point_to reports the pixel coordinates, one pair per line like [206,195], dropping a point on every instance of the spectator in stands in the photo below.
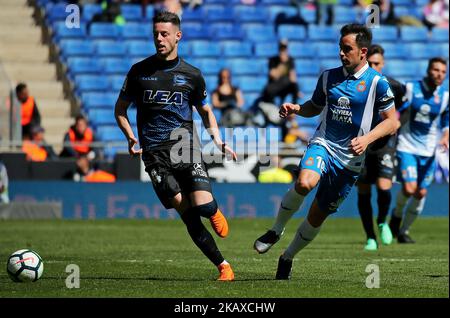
[87,174]
[78,140]
[30,112]
[228,99]
[37,149]
[4,196]
[291,131]
[110,14]
[360,8]
[435,14]
[283,18]
[192,4]
[282,76]
[387,15]
[275,174]
[325,12]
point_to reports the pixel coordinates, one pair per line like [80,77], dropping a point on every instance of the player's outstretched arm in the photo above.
[120,112]
[210,122]
[308,109]
[388,126]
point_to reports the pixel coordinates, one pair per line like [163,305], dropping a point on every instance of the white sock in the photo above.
[289,205]
[305,234]
[224,263]
[400,205]
[413,211]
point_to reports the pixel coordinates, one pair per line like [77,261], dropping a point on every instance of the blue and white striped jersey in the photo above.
[427,109]
[349,103]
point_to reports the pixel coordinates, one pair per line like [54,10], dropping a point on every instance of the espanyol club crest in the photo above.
[361,86]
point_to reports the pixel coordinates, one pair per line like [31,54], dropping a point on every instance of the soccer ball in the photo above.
[25,266]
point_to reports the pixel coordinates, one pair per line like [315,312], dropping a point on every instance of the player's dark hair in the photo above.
[166,16]
[375,49]
[436,60]
[80,117]
[20,87]
[363,34]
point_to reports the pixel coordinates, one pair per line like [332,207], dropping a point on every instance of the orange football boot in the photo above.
[226,273]
[219,224]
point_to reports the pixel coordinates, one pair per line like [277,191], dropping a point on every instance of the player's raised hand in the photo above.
[359,145]
[229,153]
[287,108]
[131,143]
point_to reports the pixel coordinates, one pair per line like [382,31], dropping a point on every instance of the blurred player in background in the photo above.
[379,166]
[427,103]
[347,98]
[164,89]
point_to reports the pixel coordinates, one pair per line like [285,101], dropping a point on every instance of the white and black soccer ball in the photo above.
[25,266]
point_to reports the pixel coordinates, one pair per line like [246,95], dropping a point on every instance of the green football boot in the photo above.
[371,245]
[385,233]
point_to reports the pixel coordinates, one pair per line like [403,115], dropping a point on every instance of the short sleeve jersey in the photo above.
[349,103]
[164,93]
[428,111]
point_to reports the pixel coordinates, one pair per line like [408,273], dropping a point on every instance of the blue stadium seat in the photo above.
[307,84]
[267,49]
[101,117]
[109,133]
[444,51]
[305,67]
[344,14]
[140,48]
[149,12]
[98,100]
[131,12]
[115,66]
[62,32]
[236,49]
[402,2]
[251,84]
[422,67]
[301,50]
[291,32]
[322,33]
[110,48]
[308,14]
[245,13]
[89,10]
[90,83]
[414,34]
[99,30]
[76,48]
[55,12]
[209,66]
[403,11]
[395,50]
[423,51]
[249,99]
[137,31]
[116,82]
[276,10]
[385,33]
[184,49]
[308,121]
[280,2]
[196,14]
[258,33]
[225,31]
[219,14]
[326,50]
[242,66]
[205,49]
[195,31]
[401,68]
[439,35]
[82,65]
[326,64]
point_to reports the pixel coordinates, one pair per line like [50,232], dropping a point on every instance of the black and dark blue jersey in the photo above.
[164,93]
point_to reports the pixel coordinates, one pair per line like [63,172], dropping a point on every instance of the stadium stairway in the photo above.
[25,58]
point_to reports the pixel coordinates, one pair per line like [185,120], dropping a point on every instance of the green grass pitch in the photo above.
[156,258]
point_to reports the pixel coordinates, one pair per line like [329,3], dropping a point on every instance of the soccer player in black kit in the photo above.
[379,166]
[165,89]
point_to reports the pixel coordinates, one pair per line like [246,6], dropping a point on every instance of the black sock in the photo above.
[201,237]
[207,210]
[365,211]
[384,202]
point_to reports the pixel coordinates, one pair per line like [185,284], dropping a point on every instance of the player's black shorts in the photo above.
[379,163]
[170,178]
